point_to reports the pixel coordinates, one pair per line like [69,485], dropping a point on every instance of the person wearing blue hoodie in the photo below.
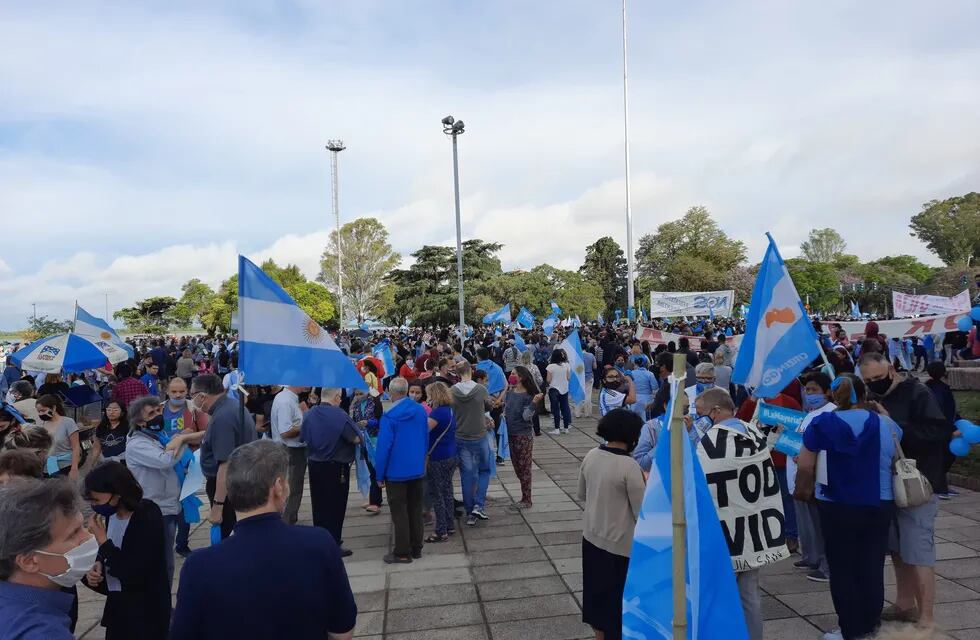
[399,464]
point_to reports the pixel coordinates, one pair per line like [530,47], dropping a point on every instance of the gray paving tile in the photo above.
[808,604]
[954,551]
[507,572]
[364,584]
[438,617]
[366,541]
[963,568]
[445,594]
[966,634]
[507,542]
[521,588]
[473,632]
[946,591]
[773,609]
[369,623]
[958,615]
[434,577]
[788,628]
[541,528]
[557,551]
[529,608]
[370,601]
[560,628]
[496,531]
[573,580]
[507,556]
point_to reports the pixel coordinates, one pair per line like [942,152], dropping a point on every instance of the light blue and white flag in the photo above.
[279,344]
[745,311]
[577,323]
[525,318]
[599,319]
[711,313]
[555,309]
[382,351]
[519,343]
[88,325]
[779,340]
[549,325]
[500,315]
[643,314]
[619,315]
[714,608]
[631,314]
[573,348]
[855,309]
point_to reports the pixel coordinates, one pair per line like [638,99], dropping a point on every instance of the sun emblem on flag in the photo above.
[105,335]
[312,331]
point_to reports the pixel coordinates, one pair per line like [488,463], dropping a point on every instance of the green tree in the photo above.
[690,254]
[823,245]
[605,265]
[367,258]
[908,265]
[815,281]
[196,298]
[154,315]
[43,326]
[950,228]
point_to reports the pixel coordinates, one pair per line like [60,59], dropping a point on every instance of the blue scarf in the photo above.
[852,460]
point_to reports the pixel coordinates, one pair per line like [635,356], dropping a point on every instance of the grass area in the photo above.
[968,404]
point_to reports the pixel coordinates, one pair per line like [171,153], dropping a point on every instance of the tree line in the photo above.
[691,253]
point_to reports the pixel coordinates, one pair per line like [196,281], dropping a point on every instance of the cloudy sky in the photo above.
[142,144]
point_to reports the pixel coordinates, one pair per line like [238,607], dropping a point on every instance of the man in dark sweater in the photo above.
[225,589]
[471,401]
[926,434]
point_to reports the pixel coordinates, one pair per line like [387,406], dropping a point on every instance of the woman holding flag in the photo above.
[520,407]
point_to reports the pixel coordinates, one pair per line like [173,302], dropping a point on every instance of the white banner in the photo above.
[743,484]
[906,304]
[656,336]
[899,328]
[674,304]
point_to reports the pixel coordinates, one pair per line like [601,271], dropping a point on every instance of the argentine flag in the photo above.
[279,344]
[549,325]
[599,318]
[555,309]
[855,310]
[500,315]
[631,314]
[382,351]
[519,343]
[525,318]
[714,607]
[88,325]
[779,340]
[573,348]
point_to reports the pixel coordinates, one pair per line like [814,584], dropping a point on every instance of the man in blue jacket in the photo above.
[399,465]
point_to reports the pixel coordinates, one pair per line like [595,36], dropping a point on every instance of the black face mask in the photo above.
[156,424]
[45,416]
[879,387]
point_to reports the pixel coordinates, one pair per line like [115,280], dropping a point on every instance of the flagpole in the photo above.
[678,436]
[630,300]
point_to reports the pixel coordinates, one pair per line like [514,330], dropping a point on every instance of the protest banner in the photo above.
[672,304]
[906,304]
[905,328]
[742,480]
[656,336]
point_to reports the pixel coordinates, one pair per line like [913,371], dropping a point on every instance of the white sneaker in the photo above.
[833,635]
[556,432]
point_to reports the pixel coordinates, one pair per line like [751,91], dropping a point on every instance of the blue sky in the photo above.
[142,144]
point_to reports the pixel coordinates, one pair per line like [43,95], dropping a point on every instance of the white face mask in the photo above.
[80,561]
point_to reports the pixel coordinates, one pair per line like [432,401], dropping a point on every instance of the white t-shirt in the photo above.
[286,414]
[559,376]
[790,464]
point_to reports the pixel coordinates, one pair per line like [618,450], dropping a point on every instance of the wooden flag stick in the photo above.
[678,437]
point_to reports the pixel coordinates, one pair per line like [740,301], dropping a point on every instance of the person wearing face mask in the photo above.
[611,484]
[617,391]
[130,571]
[730,451]
[225,589]
[152,464]
[705,375]
[10,418]
[925,436]
[66,451]
[44,549]
[22,397]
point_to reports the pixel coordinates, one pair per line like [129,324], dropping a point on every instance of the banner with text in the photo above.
[905,328]
[674,304]
[906,304]
[656,336]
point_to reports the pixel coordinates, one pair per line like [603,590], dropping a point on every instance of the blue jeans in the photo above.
[170,531]
[183,534]
[560,410]
[474,472]
[789,508]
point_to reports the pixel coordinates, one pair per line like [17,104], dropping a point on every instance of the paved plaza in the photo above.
[519,575]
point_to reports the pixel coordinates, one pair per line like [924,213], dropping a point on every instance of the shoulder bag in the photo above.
[909,487]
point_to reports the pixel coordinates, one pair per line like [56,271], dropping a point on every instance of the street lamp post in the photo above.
[630,294]
[335,147]
[453,127]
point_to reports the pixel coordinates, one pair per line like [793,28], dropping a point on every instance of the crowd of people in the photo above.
[447,408]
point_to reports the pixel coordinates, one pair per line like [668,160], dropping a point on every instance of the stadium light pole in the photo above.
[453,127]
[335,147]
[631,300]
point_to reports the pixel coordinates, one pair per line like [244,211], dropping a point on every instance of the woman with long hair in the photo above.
[110,435]
[131,570]
[520,406]
[66,450]
[441,459]
[854,500]
[365,410]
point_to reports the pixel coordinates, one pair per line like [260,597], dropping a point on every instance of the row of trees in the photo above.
[691,253]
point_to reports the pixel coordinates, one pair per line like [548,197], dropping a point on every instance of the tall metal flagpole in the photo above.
[335,147]
[631,300]
[459,234]
[678,437]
